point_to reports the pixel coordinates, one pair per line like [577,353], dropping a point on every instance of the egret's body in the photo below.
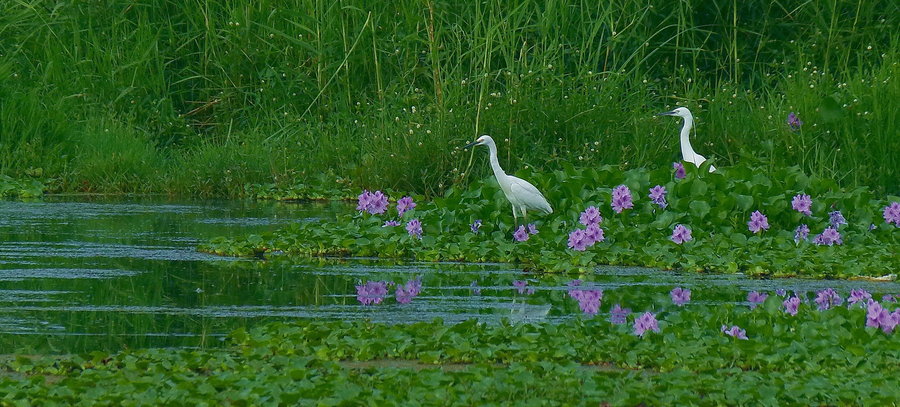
[687,151]
[520,193]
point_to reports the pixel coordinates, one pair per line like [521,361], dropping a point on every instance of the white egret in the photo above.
[520,193]
[687,152]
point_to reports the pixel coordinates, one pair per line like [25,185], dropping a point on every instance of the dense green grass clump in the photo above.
[815,357]
[716,207]
[207,98]
[20,188]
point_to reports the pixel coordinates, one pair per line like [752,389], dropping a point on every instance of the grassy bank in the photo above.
[208,97]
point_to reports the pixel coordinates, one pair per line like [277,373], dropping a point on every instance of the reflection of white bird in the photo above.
[520,193]
[687,152]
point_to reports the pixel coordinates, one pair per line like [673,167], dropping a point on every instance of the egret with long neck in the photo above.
[687,151]
[520,193]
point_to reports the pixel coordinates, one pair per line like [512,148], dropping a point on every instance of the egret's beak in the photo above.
[672,113]
[474,143]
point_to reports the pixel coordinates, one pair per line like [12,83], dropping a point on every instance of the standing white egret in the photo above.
[687,152]
[520,193]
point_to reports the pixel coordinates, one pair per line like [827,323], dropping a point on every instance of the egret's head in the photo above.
[480,141]
[680,112]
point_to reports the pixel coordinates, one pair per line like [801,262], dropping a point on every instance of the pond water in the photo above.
[79,274]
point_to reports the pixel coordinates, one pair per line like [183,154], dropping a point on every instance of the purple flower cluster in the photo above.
[858,296]
[791,305]
[621,199]
[588,300]
[590,216]
[830,236]
[679,170]
[619,315]
[734,331]
[892,213]
[758,222]
[836,219]
[644,323]
[390,223]
[681,234]
[755,298]
[475,226]
[520,234]
[404,204]
[794,122]
[878,317]
[828,298]
[522,286]
[373,202]
[781,292]
[414,228]
[532,229]
[372,292]
[802,203]
[680,296]
[405,293]
[801,233]
[581,239]
[658,196]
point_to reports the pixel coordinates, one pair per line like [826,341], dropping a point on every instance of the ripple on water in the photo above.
[62,273]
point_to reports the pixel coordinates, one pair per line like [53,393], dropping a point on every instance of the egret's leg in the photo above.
[524,215]
[515,218]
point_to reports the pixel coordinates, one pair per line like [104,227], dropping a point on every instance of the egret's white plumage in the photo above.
[687,152]
[520,193]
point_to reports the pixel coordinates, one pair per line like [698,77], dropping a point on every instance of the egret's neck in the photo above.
[687,152]
[495,164]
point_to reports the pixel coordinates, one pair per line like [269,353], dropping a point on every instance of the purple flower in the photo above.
[758,222]
[681,234]
[532,229]
[802,203]
[475,289]
[877,316]
[892,213]
[679,170]
[801,233]
[522,286]
[755,298]
[890,298]
[574,283]
[520,234]
[363,201]
[390,223]
[588,300]
[794,122]
[618,315]
[836,219]
[404,204]
[791,305]
[621,199]
[859,296]
[414,228]
[590,216]
[374,203]
[644,323]
[780,292]
[372,292]
[734,331]
[405,293]
[658,196]
[578,241]
[830,236]
[680,296]
[593,234]
[828,298]
[476,225]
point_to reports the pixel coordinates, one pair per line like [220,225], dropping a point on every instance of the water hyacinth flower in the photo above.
[878,317]
[374,203]
[781,292]
[475,226]
[594,234]
[619,315]
[405,293]
[372,292]
[793,122]
[755,298]
[734,331]
[801,233]
[791,305]
[520,234]
[681,234]
[414,228]
[590,216]
[644,323]
[892,213]
[621,199]
[830,236]
[658,196]
[758,222]
[836,219]
[522,286]
[404,204]
[802,203]
[858,296]
[588,300]
[475,289]
[890,298]
[828,298]
[532,229]
[578,241]
[679,170]
[680,296]
[390,223]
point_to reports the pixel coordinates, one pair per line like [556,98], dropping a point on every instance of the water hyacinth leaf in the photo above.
[744,202]
[700,209]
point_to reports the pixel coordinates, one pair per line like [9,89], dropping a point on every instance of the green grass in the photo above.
[206,98]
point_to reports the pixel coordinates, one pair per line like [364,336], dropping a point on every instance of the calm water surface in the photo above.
[81,274]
